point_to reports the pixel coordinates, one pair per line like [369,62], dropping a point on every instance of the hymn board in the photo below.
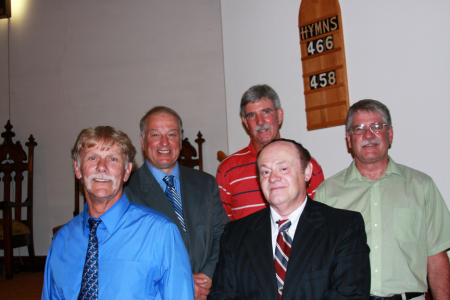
[323,62]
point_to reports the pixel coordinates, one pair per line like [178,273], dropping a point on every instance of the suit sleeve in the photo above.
[350,277]
[225,191]
[220,219]
[316,179]
[224,284]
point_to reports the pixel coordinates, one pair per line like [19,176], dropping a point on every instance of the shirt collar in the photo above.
[111,217]
[252,148]
[159,175]
[353,172]
[293,217]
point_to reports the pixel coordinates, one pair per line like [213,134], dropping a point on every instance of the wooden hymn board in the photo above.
[323,62]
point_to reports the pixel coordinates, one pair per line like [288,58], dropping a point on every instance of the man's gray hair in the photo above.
[368,105]
[257,93]
[156,110]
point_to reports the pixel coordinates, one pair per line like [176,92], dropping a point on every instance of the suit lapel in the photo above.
[308,234]
[258,245]
[191,199]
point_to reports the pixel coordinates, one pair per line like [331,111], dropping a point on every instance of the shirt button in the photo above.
[376,247]
[376,270]
[376,225]
[375,204]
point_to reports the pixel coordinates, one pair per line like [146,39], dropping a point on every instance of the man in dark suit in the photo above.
[190,198]
[296,248]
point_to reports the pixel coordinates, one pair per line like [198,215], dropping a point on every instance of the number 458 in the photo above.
[322,80]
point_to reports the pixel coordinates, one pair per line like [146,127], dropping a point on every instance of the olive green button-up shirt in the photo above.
[406,221]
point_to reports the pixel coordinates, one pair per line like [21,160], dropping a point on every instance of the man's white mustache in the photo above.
[89,180]
[371,141]
[262,127]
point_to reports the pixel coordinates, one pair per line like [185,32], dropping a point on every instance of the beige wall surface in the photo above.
[397,52]
[76,64]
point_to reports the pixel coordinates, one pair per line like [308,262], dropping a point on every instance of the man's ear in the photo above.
[391,135]
[308,171]
[77,170]
[349,139]
[280,113]
[244,120]
[142,144]
[127,172]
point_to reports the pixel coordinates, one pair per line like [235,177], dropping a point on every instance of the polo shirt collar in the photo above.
[252,148]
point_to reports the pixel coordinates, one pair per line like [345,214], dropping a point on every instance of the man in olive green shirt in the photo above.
[407,221]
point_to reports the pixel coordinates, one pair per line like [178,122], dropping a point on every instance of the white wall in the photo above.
[76,64]
[397,52]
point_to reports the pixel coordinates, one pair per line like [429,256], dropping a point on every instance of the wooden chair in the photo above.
[188,153]
[221,156]
[76,211]
[15,230]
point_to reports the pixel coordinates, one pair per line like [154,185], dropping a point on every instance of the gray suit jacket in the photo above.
[203,212]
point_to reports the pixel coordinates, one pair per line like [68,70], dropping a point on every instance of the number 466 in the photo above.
[318,45]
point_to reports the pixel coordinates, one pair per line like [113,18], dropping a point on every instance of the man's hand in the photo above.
[202,286]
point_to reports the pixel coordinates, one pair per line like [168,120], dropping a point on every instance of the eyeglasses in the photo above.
[361,129]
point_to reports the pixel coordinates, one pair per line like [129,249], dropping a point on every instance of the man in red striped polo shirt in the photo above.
[240,191]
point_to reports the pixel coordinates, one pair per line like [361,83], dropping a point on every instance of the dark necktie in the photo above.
[174,199]
[282,251]
[89,282]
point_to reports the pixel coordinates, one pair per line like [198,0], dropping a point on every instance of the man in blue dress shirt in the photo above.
[140,251]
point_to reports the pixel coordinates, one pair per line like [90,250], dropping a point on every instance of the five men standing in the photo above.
[296,248]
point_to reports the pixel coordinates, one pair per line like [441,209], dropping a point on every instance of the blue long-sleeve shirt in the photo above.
[141,256]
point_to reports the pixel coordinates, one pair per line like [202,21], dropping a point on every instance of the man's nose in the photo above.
[164,141]
[274,176]
[368,134]
[101,166]
[259,120]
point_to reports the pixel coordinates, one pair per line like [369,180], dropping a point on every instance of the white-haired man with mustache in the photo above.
[407,221]
[114,249]
[240,191]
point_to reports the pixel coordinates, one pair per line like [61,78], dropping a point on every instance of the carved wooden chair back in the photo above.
[16,229]
[188,153]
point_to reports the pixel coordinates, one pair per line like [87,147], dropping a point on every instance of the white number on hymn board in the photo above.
[320,45]
[322,80]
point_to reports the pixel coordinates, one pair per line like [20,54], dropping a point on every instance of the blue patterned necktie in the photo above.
[174,199]
[282,252]
[89,282]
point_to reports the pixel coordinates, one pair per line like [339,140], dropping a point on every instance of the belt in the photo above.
[397,296]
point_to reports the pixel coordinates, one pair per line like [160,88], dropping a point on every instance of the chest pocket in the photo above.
[407,224]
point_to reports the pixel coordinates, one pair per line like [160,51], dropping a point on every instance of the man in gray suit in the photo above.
[190,198]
